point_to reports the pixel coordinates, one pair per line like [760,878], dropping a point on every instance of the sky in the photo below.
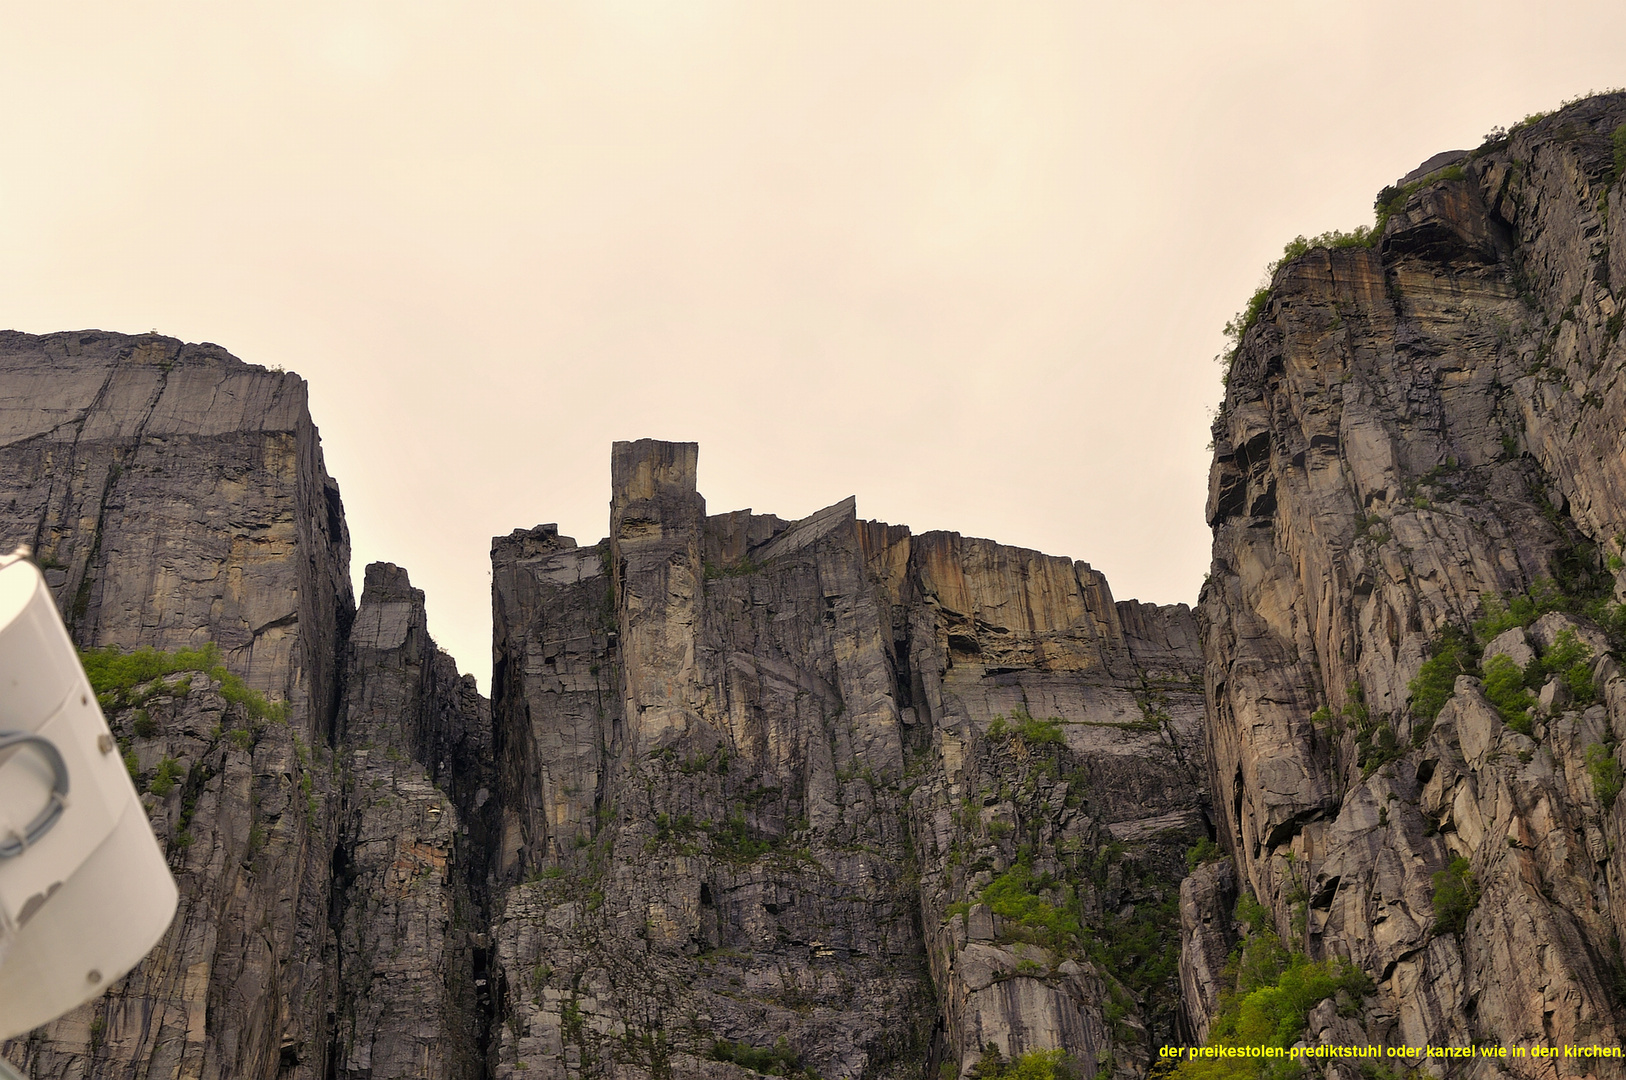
[969,262]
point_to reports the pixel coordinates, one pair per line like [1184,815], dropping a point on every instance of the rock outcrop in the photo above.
[1413,433]
[175,497]
[759,777]
[330,920]
[409,875]
[753,795]
[828,798]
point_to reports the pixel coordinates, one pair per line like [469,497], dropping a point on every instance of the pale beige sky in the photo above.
[969,262]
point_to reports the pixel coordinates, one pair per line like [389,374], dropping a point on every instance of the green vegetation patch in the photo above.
[1031,731]
[1452,654]
[1456,894]
[1015,896]
[1203,852]
[1504,688]
[780,1060]
[1033,1065]
[114,675]
[1271,990]
[1506,685]
[1605,771]
[163,778]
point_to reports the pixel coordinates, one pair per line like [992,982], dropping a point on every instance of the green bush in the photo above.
[1520,609]
[1605,771]
[1203,851]
[780,1060]
[1252,914]
[1015,897]
[163,778]
[1033,1065]
[1142,948]
[1456,894]
[1570,659]
[1030,730]
[113,674]
[1452,654]
[1268,1001]
[1619,141]
[1504,687]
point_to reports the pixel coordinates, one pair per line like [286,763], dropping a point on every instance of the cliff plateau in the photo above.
[815,797]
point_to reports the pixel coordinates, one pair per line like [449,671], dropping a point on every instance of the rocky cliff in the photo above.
[1418,500]
[826,797]
[177,501]
[813,797]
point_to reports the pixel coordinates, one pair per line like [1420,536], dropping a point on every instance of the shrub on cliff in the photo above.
[114,674]
[1272,990]
[1033,1065]
[1605,771]
[1504,688]
[1456,894]
[1452,654]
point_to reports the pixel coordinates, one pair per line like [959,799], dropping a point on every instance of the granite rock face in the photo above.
[1411,431]
[330,918]
[752,794]
[176,497]
[757,778]
[409,876]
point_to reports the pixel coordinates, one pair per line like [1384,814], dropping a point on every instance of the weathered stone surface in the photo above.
[1408,430]
[1207,897]
[175,496]
[408,886]
[747,772]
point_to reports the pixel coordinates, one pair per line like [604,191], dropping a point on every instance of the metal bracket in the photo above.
[17,843]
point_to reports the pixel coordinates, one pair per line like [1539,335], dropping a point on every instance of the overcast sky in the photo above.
[968,262]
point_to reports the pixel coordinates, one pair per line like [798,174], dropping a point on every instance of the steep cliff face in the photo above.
[1410,432]
[330,910]
[409,883]
[753,795]
[175,497]
[826,795]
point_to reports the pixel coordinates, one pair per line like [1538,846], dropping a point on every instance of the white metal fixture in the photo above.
[85,892]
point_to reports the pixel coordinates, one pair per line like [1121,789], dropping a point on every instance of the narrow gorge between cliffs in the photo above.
[829,798]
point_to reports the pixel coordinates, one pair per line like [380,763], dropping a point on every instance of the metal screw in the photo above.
[93,977]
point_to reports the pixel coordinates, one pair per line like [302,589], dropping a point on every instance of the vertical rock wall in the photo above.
[408,883]
[751,800]
[331,918]
[1409,430]
[175,497]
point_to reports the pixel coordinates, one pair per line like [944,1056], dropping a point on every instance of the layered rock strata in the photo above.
[757,777]
[329,921]
[1410,431]
[176,497]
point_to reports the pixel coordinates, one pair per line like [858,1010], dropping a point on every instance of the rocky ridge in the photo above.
[1422,439]
[818,797]
[784,761]
[828,798]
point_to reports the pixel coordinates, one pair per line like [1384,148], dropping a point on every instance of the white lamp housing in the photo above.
[85,892]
